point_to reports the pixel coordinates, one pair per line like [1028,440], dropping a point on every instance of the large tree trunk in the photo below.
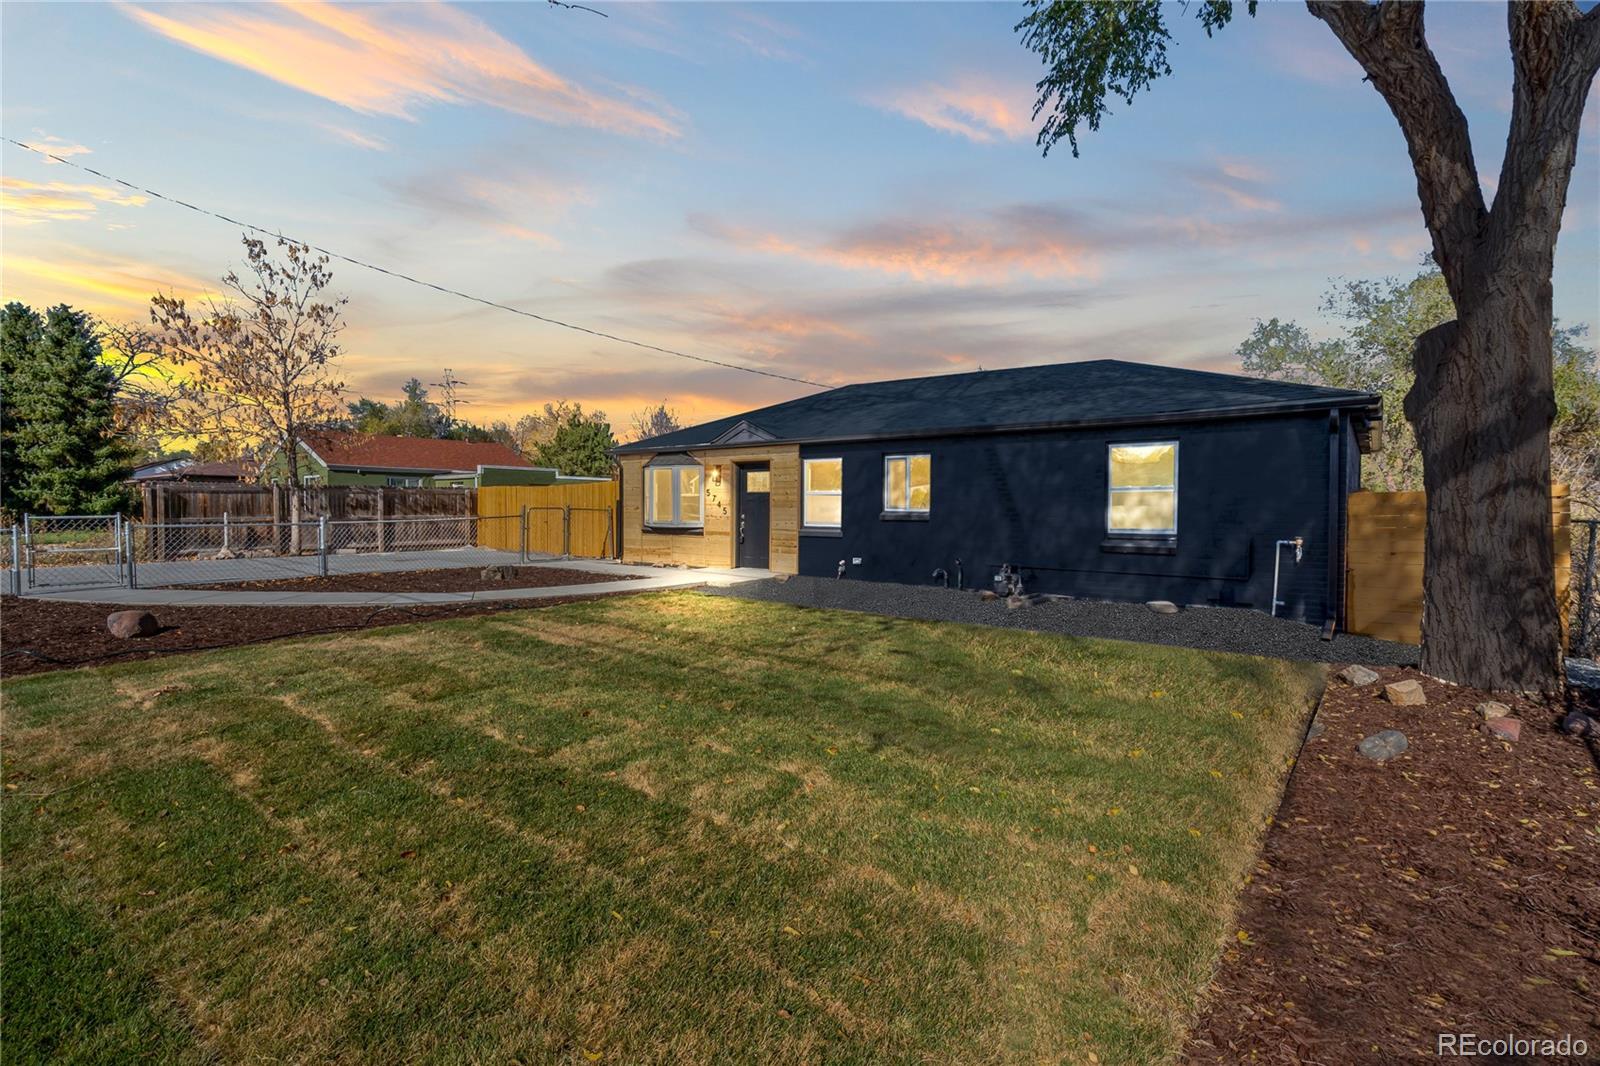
[1482,406]
[1483,399]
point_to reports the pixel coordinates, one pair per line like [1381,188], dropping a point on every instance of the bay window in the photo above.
[674,493]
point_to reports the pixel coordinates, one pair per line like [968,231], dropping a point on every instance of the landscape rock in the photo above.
[498,573]
[1163,606]
[1358,675]
[1407,693]
[988,594]
[1578,724]
[1013,602]
[1492,709]
[1503,728]
[1384,745]
[128,624]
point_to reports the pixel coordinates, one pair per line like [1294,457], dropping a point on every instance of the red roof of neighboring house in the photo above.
[409,453]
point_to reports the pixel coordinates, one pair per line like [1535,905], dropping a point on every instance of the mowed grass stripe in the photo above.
[803,835]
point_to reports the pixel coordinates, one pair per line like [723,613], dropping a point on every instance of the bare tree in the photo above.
[653,422]
[141,383]
[255,369]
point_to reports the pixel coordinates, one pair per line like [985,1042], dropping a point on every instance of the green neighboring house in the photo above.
[342,458]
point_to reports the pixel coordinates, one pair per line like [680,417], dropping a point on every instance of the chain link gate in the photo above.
[63,551]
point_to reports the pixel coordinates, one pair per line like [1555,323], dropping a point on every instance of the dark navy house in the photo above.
[1104,479]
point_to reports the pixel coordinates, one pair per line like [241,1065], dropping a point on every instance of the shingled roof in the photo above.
[1096,392]
[417,454]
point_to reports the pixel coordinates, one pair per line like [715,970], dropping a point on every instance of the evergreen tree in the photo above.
[580,446]
[20,328]
[62,451]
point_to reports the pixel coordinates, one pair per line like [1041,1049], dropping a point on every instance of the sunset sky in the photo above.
[834,191]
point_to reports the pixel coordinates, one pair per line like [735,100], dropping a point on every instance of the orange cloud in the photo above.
[57,147]
[103,284]
[968,108]
[394,59]
[27,203]
[987,249]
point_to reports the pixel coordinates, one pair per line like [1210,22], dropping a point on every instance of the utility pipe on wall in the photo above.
[1277,556]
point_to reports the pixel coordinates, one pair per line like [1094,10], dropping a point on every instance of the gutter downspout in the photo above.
[1336,537]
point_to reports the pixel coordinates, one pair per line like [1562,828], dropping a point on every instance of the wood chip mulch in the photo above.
[1452,889]
[41,635]
[445,579]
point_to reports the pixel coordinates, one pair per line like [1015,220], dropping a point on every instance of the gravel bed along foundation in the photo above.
[1232,629]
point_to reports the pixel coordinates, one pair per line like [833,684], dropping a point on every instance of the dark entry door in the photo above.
[755,515]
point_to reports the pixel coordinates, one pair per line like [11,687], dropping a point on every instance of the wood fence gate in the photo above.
[1383,562]
[574,519]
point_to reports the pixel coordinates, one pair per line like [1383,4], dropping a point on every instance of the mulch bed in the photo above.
[450,579]
[41,635]
[1452,889]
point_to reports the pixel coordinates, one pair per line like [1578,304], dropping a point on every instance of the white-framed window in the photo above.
[823,505]
[1142,482]
[310,479]
[675,494]
[908,483]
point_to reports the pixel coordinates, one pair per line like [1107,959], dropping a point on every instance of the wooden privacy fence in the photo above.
[1383,562]
[575,519]
[164,504]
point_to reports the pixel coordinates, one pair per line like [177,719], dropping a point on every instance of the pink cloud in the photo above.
[395,59]
[988,248]
[970,107]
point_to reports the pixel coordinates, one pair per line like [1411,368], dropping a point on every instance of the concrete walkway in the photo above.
[632,578]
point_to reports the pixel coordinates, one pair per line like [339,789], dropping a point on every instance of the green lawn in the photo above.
[665,828]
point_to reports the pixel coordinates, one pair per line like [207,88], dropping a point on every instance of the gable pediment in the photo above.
[743,432]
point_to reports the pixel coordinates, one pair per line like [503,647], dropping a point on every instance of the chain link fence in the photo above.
[47,552]
[72,550]
[259,549]
[11,560]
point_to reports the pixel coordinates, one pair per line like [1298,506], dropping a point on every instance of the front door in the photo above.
[755,515]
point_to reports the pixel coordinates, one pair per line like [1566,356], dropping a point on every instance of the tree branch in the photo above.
[1555,52]
[1387,40]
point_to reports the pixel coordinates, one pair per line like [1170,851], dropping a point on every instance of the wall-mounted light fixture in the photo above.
[716,475]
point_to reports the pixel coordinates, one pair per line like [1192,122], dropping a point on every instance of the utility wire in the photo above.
[414,280]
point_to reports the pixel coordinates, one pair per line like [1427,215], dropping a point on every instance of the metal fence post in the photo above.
[322,544]
[27,544]
[16,561]
[522,536]
[227,540]
[133,573]
[566,530]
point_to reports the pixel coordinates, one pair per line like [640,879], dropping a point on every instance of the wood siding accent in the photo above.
[714,545]
[1383,561]
[590,531]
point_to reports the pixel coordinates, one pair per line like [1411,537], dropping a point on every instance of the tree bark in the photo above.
[1483,400]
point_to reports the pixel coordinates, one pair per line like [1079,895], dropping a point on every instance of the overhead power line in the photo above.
[546,319]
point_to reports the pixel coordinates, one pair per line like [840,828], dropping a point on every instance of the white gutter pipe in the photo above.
[1277,556]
